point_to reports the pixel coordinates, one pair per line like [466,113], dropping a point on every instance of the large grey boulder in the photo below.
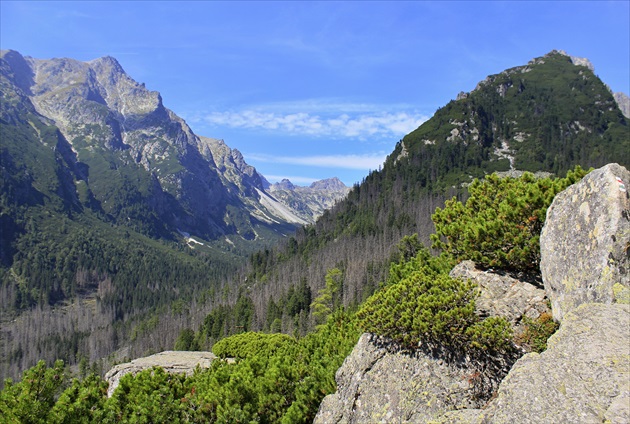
[176,362]
[502,295]
[584,243]
[583,376]
[378,384]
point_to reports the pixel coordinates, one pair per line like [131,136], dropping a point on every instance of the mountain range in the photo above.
[91,156]
[114,131]
[110,200]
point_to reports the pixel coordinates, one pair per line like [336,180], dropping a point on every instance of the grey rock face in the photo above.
[378,385]
[584,243]
[502,295]
[583,376]
[176,362]
[623,101]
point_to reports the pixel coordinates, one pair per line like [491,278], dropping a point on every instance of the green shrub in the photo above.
[31,400]
[500,224]
[248,344]
[424,307]
[537,332]
[492,335]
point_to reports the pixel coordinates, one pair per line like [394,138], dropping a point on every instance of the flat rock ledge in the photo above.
[176,362]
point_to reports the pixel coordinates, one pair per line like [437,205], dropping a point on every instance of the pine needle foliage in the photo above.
[247,344]
[421,305]
[499,225]
[422,308]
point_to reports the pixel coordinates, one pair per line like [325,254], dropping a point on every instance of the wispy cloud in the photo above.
[359,162]
[360,125]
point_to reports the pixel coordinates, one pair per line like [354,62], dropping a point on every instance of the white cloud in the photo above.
[343,125]
[358,162]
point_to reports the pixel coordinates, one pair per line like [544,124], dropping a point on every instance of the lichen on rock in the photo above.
[585,240]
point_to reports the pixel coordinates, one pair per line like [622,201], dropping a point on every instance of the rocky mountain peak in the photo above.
[330,184]
[309,203]
[107,64]
[578,61]
[285,184]
[20,70]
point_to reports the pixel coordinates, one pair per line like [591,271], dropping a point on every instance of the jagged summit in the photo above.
[189,183]
[579,61]
[285,184]
[310,202]
[329,184]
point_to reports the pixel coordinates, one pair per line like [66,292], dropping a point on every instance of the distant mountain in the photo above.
[309,203]
[143,165]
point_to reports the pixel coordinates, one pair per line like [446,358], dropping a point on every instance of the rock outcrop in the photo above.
[378,384]
[177,362]
[584,243]
[583,376]
[623,101]
[502,295]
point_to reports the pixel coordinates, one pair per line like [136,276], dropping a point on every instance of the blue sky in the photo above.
[310,90]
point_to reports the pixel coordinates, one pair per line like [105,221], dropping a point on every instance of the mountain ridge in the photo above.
[98,102]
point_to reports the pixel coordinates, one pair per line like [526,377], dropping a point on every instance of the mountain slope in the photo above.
[108,197]
[130,143]
[548,115]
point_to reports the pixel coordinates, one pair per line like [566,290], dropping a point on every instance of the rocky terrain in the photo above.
[583,376]
[177,362]
[309,203]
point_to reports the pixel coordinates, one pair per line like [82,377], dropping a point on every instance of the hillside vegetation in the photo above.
[278,378]
[550,115]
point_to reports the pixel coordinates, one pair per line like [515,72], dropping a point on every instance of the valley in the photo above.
[125,234]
